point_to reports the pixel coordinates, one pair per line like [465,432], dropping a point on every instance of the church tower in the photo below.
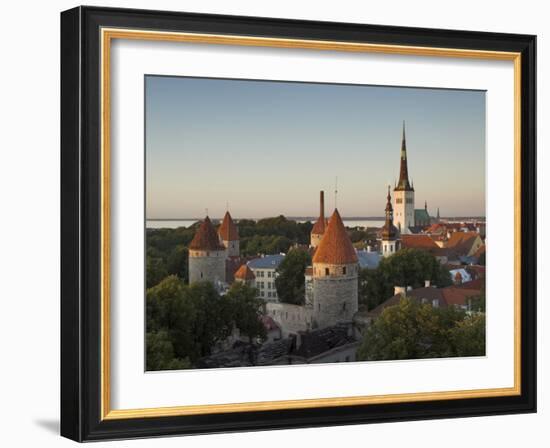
[319,227]
[229,235]
[335,274]
[206,255]
[404,193]
[390,242]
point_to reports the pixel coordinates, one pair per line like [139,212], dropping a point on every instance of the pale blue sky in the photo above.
[268,147]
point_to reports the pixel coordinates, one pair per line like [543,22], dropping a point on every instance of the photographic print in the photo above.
[298,223]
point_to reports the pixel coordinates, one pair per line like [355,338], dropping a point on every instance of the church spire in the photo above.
[389,231]
[404,183]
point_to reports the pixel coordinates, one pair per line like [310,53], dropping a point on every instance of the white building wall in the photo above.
[265,283]
[403,210]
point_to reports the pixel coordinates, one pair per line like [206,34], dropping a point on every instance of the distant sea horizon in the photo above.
[352,221]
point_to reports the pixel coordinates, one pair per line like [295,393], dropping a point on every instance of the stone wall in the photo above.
[315,239]
[335,296]
[232,248]
[207,266]
[291,318]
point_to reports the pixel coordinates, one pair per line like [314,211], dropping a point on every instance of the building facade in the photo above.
[265,273]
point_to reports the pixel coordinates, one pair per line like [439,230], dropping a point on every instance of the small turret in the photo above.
[320,225]
[229,235]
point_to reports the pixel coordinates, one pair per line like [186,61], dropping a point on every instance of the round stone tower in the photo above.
[229,235]
[206,255]
[335,276]
[319,227]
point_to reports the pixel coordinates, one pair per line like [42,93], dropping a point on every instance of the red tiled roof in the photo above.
[451,295]
[245,273]
[335,247]
[206,237]
[228,230]
[320,226]
[476,284]
[418,242]
[461,238]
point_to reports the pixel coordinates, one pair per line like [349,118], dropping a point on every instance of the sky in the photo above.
[265,148]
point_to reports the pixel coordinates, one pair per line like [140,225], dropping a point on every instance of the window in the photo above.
[344,270]
[391,248]
[348,359]
[344,306]
[399,201]
[319,307]
[201,274]
[326,271]
[269,294]
[269,274]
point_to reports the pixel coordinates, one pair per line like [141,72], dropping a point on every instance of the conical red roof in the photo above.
[335,247]
[320,226]
[228,230]
[206,237]
[245,273]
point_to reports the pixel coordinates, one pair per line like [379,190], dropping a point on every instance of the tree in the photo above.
[412,330]
[290,281]
[185,322]
[245,309]
[407,267]
[468,336]
[177,263]
[160,353]
[155,271]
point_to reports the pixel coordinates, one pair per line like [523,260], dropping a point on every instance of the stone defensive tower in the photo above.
[404,193]
[229,235]
[335,276]
[390,242]
[320,225]
[206,255]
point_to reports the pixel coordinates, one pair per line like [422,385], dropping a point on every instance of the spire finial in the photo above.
[403,130]
[206,211]
[426,205]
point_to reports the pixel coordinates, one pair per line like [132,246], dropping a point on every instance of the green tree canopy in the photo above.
[245,309]
[407,267]
[290,281]
[194,318]
[411,330]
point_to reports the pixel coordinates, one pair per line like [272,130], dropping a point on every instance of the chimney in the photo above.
[399,290]
[409,288]
[322,204]
[426,283]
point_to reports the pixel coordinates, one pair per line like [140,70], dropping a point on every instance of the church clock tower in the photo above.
[403,194]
